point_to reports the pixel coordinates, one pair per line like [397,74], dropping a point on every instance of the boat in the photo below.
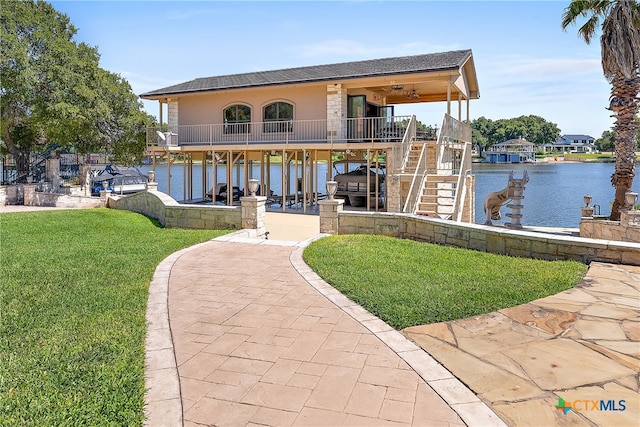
[119,181]
[352,185]
[221,192]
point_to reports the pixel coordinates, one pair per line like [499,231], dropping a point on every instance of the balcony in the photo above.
[369,129]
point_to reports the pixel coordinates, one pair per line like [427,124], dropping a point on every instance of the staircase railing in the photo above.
[407,142]
[413,196]
[461,190]
[37,167]
[454,137]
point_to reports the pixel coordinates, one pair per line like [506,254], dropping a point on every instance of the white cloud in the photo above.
[543,67]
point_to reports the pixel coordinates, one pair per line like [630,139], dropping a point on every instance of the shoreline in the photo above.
[545,161]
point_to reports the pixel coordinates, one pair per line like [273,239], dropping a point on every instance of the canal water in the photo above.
[555,191]
[552,197]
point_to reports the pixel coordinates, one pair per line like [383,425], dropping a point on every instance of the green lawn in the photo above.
[408,283]
[73,293]
[589,157]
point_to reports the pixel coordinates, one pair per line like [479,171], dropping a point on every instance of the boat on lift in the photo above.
[352,185]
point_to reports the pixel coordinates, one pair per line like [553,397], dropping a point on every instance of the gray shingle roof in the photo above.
[577,137]
[515,141]
[348,70]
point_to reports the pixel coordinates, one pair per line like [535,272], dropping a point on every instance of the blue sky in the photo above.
[526,63]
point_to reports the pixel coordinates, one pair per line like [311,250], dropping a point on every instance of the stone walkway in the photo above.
[256,338]
[582,345]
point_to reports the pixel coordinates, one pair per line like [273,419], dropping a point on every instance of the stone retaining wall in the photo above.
[12,195]
[65,201]
[626,230]
[27,194]
[484,238]
[172,214]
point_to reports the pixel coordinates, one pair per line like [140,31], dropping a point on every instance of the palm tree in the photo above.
[620,46]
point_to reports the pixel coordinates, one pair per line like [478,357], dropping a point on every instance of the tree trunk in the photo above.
[625,108]
[20,155]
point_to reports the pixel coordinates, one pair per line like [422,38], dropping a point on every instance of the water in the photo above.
[554,194]
[177,178]
[552,198]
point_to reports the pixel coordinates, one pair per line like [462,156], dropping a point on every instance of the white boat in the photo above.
[119,181]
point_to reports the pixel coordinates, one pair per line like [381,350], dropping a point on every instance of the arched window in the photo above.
[278,117]
[237,119]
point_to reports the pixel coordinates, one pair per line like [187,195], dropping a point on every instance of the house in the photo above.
[309,115]
[512,151]
[573,144]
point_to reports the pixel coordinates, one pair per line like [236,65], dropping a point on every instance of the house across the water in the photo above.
[512,151]
[573,144]
[299,117]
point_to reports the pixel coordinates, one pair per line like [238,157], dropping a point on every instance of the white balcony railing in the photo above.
[368,129]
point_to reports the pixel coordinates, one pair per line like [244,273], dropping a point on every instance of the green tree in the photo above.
[532,128]
[427,131]
[606,141]
[620,51]
[481,132]
[54,92]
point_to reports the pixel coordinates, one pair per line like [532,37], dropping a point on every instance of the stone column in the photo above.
[392,184]
[30,195]
[85,178]
[3,195]
[254,213]
[336,111]
[469,214]
[14,195]
[329,215]
[53,173]
[104,196]
[629,218]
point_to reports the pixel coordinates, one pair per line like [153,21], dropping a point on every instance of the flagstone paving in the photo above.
[581,345]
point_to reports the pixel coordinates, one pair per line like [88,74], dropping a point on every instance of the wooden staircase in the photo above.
[413,156]
[432,171]
[438,196]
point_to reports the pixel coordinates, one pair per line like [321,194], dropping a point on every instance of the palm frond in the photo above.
[591,10]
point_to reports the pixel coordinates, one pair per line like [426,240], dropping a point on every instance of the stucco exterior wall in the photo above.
[489,239]
[171,214]
[309,101]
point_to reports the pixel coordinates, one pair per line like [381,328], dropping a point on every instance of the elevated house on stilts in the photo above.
[339,114]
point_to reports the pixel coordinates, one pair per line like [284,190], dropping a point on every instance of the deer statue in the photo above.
[496,199]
